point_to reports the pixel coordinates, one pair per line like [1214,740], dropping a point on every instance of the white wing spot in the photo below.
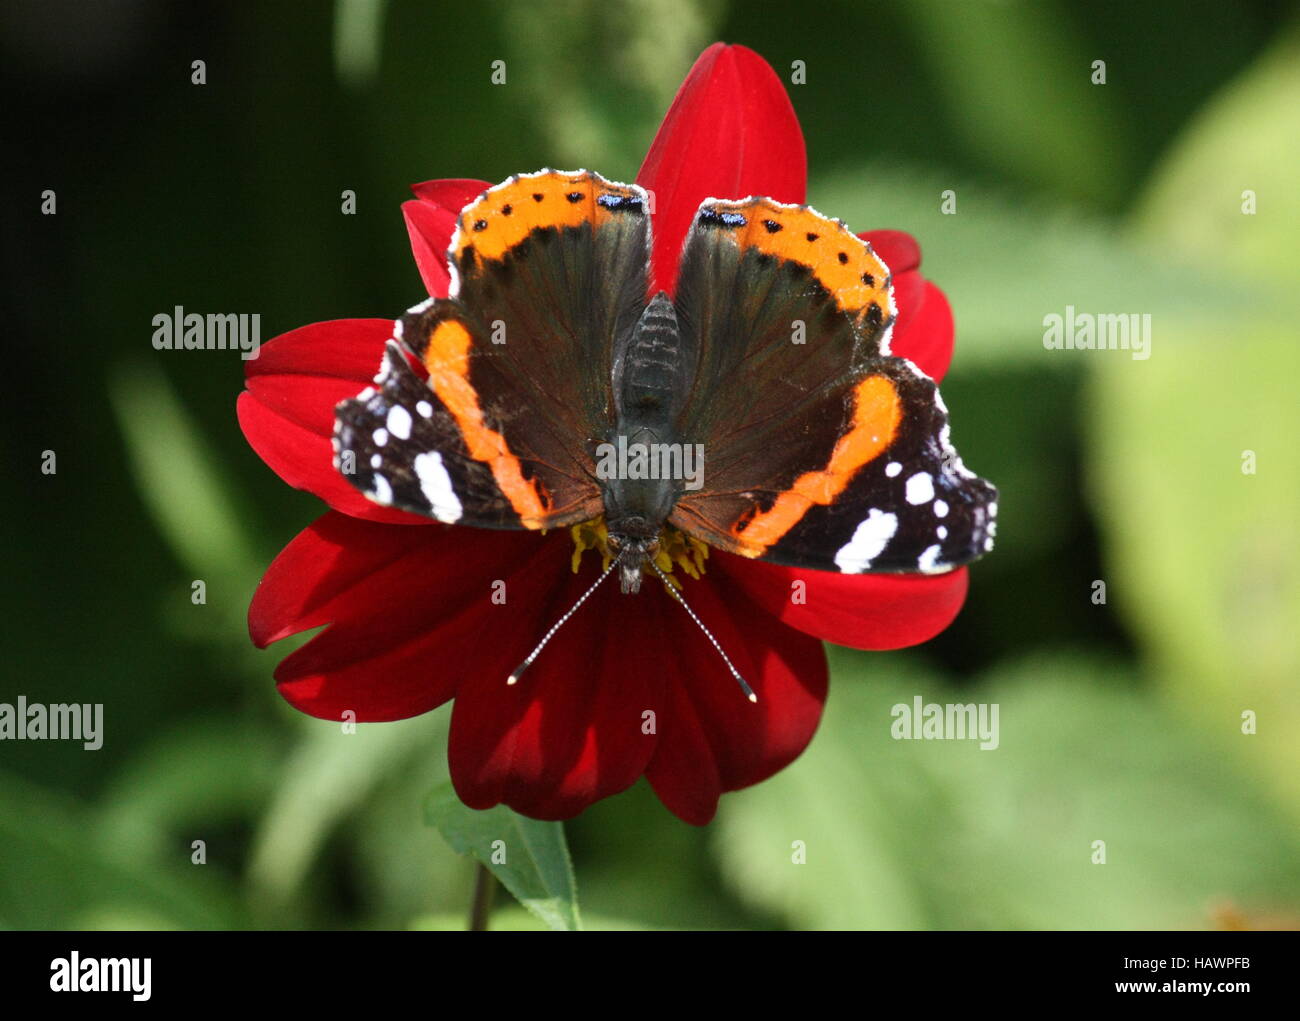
[926,562]
[940,509]
[436,486]
[399,422]
[920,488]
[893,468]
[381,437]
[941,531]
[869,540]
[425,409]
[383,492]
[376,460]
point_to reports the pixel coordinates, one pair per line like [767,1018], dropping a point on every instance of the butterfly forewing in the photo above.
[548,270]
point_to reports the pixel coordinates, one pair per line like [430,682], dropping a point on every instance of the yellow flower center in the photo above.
[676,550]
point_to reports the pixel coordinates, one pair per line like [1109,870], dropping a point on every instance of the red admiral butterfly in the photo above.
[821,450]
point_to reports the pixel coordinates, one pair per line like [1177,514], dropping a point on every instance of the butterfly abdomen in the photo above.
[651,372]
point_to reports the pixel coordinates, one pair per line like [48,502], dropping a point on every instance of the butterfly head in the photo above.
[635,540]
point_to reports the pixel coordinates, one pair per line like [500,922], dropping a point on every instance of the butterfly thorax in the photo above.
[642,477]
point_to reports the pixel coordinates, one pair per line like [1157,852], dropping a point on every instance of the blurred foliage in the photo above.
[1121,722]
[915,834]
[1199,454]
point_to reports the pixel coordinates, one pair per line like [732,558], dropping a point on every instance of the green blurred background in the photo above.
[1120,722]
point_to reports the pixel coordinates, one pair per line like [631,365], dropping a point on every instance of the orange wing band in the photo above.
[447,359]
[843,263]
[877,411]
[505,215]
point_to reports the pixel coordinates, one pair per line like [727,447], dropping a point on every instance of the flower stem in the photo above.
[480,908]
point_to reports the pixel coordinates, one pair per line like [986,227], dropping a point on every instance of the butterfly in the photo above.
[757,410]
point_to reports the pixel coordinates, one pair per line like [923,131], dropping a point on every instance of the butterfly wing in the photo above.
[548,271]
[821,449]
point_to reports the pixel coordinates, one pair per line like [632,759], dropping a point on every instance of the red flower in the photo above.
[410,623]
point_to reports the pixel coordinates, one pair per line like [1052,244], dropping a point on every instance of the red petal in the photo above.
[453,193]
[412,621]
[573,730]
[570,731]
[897,248]
[711,739]
[863,611]
[430,222]
[430,228]
[287,412]
[410,611]
[730,133]
[924,330]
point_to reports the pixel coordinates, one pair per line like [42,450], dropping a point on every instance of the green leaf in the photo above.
[534,864]
[516,919]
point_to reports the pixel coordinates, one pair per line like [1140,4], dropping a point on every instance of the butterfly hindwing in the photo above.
[909,507]
[399,445]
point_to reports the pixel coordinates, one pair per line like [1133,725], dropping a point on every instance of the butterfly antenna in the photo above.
[744,685]
[519,670]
